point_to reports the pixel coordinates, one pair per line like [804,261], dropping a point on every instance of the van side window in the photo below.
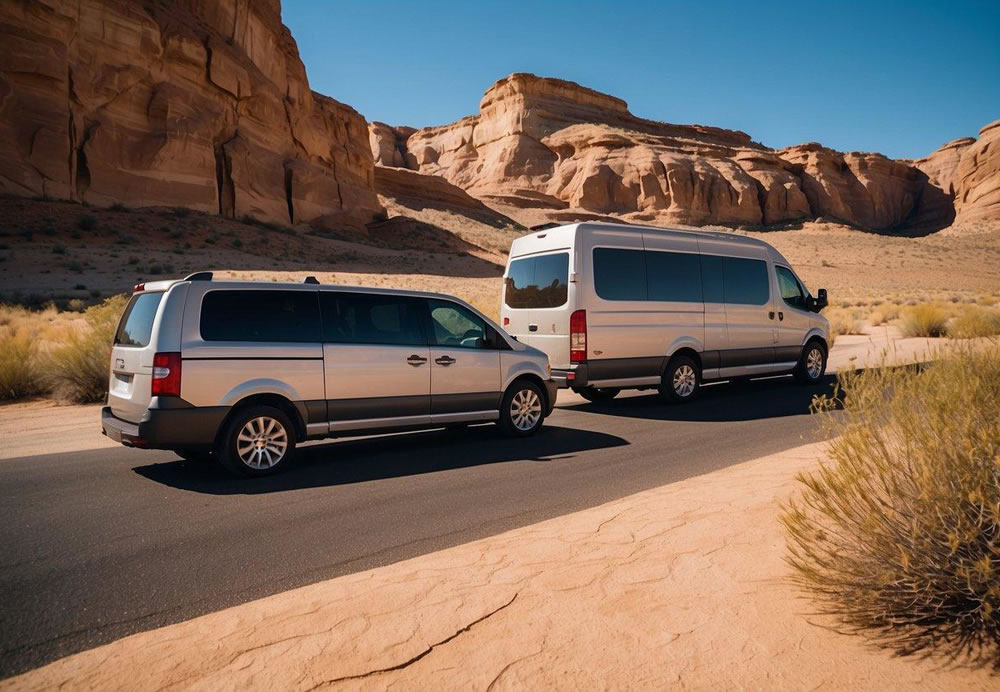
[746,281]
[791,290]
[454,325]
[538,282]
[673,276]
[371,318]
[620,274]
[712,282]
[268,316]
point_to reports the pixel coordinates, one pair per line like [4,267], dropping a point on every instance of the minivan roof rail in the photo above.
[310,280]
[199,276]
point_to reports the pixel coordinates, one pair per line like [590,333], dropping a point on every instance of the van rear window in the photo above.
[136,326]
[538,282]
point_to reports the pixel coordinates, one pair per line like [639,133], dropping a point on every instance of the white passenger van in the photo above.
[628,307]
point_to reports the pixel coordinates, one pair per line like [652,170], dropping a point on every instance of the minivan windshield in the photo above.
[538,282]
[136,326]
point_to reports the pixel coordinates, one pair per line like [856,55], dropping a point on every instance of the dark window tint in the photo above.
[620,274]
[368,318]
[538,282]
[712,283]
[673,276]
[455,325]
[136,326]
[271,316]
[745,281]
[791,290]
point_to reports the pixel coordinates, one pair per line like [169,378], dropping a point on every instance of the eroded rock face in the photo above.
[190,103]
[549,144]
[977,177]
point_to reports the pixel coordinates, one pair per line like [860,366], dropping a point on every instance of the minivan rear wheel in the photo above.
[598,395]
[680,380]
[522,409]
[258,441]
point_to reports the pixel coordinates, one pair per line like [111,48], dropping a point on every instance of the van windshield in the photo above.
[538,282]
[136,326]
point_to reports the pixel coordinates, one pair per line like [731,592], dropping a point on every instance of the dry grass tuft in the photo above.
[899,537]
[974,322]
[927,319]
[80,366]
[20,374]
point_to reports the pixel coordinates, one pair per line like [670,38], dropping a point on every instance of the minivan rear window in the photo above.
[136,326]
[538,282]
[270,316]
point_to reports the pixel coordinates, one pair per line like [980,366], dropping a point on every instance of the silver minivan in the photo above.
[631,307]
[243,371]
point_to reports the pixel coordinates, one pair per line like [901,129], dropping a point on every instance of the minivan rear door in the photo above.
[132,357]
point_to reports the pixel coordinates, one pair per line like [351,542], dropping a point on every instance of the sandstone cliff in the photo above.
[195,103]
[553,146]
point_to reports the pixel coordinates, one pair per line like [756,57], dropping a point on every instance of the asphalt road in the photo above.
[100,544]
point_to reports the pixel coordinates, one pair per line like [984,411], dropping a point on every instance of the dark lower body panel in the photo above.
[192,428]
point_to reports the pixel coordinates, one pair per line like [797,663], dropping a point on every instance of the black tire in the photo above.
[812,364]
[532,408]
[228,453]
[676,385]
[599,395]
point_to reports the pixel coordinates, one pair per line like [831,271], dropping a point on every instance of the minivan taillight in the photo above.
[578,337]
[166,375]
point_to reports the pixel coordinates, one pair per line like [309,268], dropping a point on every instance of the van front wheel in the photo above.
[680,380]
[812,365]
[598,395]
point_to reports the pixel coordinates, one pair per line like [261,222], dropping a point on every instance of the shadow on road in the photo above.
[392,456]
[724,402]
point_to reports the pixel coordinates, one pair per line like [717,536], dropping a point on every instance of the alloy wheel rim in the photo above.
[262,443]
[684,380]
[525,409]
[814,363]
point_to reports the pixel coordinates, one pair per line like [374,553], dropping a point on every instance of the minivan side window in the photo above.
[136,325]
[790,288]
[260,316]
[455,326]
[745,281]
[620,274]
[538,282]
[673,276]
[372,318]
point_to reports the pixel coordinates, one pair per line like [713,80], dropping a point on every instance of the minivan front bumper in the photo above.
[573,377]
[191,428]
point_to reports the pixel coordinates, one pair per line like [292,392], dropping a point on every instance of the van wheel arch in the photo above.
[277,401]
[685,351]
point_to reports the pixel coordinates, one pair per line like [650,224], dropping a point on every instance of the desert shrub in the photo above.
[924,320]
[86,222]
[975,322]
[886,313]
[79,366]
[20,373]
[898,535]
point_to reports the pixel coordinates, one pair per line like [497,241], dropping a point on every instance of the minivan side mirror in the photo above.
[819,302]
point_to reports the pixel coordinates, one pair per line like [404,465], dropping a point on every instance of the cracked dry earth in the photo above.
[680,586]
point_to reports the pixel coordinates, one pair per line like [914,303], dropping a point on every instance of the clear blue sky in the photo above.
[897,77]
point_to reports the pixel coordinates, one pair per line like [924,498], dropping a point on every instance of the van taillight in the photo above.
[166,374]
[578,337]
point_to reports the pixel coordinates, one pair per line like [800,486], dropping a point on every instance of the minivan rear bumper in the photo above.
[167,428]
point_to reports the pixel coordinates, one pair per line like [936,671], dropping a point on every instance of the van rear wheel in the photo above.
[598,395]
[258,441]
[680,380]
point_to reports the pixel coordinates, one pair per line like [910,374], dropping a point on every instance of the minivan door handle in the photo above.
[416,360]
[444,360]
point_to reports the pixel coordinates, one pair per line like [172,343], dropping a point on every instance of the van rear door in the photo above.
[132,357]
[535,304]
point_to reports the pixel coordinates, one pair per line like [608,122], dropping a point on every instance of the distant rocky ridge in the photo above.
[195,103]
[552,145]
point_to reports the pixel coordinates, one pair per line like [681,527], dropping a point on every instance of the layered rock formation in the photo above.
[189,103]
[551,145]
[977,177]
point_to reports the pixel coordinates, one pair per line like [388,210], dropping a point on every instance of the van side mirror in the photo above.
[819,302]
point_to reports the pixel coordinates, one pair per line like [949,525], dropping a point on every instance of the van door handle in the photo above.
[444,360]
[416,360]
[770,315]
[532,327]
[781,315]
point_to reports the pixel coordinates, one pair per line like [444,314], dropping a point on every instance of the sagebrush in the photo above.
[79,367]
[898,537]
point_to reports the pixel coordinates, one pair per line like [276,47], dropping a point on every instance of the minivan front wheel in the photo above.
[258,441]
[522,409]
[680,380]
[812,365]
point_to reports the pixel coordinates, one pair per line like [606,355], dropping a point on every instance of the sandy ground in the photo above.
[682,586]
